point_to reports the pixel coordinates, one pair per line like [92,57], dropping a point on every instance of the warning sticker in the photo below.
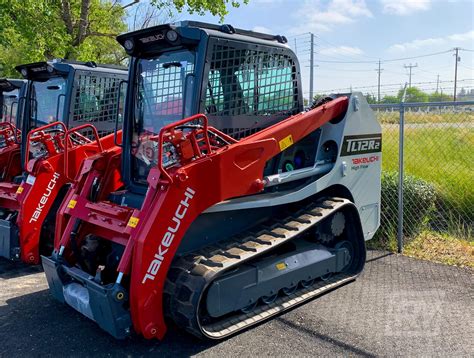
[133,222]
[19,190]
[286,142]
[72,204]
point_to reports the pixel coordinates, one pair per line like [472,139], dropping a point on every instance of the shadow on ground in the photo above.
[399,306]
[12,269]
[47,327]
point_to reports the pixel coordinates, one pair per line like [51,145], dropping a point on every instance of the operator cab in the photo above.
[243,81]
[71,92]
[12,92]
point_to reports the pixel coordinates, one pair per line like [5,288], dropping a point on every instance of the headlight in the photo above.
[128,45]
[50,69]
[171,35]
[24,72]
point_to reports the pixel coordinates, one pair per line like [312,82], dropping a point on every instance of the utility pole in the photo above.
[437,84]
[296,48]
[379,70]
[458,59]
[311,69]
[410,66]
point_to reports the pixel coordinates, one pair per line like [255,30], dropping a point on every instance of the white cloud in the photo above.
[263,29]
[319,16]
[341,50]
[405,7]
[450,40]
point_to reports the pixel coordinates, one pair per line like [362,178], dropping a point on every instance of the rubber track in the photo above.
[189,276]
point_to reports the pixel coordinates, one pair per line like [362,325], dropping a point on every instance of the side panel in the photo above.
[358,170]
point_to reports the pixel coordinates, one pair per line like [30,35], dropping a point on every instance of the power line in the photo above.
[379,71]
[410,66]
[457,59]
[398,84]
[390,60]
[347,51]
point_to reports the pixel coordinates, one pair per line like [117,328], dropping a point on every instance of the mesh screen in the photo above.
[163,85]
[95,102]
[250,83]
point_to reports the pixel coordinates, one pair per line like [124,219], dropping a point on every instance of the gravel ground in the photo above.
[399,307]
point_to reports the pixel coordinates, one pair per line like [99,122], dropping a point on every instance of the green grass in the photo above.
[444,157]
[425,117]
[441,156]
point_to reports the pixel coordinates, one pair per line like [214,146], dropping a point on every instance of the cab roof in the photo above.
[155,38]
[41,71]
[10,84]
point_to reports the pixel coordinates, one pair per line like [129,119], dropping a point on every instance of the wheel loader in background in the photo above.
[12,101]
[62,101]
[237,203]
[12,92]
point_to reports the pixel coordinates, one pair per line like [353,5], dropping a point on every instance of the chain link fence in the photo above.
[430,146]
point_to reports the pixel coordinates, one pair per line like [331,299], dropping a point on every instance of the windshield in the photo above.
[9,106]
[47,101]
[159,96]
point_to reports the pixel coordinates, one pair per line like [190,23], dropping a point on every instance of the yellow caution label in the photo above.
[281,266]
[72,204]
[133,222]
[286,142]
[19,190]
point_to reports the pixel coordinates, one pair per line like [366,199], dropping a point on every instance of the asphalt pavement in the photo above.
[399,306]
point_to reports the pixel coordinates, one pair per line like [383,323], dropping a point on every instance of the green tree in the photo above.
[318,96]
[200,7]
[38,30]
[371,99]
[390,99]
[413,94]
[440,97]
[32,30]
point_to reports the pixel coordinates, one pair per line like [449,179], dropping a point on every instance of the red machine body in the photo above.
[206,174]
[10,155]
[45,177]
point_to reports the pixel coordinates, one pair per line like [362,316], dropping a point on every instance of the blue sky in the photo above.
[360,31]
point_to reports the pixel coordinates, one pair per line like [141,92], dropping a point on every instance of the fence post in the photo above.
[400,172]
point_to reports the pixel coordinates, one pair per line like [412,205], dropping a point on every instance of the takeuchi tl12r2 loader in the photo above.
[62,101]
[237,204]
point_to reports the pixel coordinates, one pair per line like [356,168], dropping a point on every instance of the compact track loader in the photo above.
[12,97]
[12,92]
[237,203]
[54,135]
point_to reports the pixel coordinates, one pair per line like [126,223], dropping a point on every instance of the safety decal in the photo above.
[286,142]
[133,222]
